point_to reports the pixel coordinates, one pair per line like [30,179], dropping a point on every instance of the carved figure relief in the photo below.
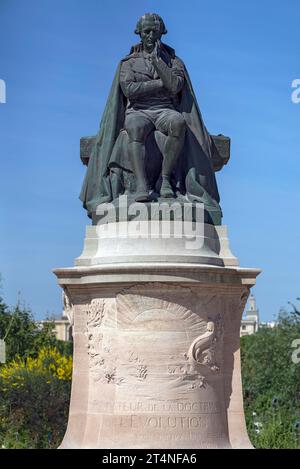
[68,307]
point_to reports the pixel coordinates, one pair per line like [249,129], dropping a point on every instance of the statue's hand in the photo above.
[156,51]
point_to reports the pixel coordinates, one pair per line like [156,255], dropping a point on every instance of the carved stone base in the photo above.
[156,355]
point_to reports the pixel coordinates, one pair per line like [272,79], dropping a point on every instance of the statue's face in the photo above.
[150,33]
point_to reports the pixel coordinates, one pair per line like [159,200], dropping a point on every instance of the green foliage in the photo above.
[23,336]
[271,384]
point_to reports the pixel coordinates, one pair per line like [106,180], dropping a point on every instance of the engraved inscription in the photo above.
[160,421]
[201,407]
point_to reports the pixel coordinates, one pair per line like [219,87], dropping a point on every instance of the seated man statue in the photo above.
[151,81]
[152,95]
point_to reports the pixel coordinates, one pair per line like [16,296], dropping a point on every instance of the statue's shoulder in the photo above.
[135,52]
[129,57]
[179,60]
[171,54]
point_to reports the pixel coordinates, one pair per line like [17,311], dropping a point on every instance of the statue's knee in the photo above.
[136,133]
[177,127]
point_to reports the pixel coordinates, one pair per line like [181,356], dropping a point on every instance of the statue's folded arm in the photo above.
[134,89]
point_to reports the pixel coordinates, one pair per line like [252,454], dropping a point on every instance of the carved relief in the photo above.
[188,372]
[158,306]
[200,382]
[202,355]
[95,313]
[102,362]
[214,356]
[235,304]
[109,375]
[140,368]
[244,298]
[167,308]
[164,311]
[200,349]
[203,349]
[68,308]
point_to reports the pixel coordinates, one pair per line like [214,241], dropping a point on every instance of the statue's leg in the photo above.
[171,123]
[138,126]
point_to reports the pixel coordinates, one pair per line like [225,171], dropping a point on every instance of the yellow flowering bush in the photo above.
[34,398]
[49,361]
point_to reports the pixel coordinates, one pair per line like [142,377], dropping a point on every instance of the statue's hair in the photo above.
[153,16]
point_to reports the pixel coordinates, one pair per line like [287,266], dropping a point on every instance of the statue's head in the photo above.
[150,27]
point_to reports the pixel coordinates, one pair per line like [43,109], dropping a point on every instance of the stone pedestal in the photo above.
[156,343]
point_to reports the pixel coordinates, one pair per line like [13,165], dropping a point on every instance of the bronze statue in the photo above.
[152,142]
[151,80]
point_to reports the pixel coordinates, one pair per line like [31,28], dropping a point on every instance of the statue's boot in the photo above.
[166,189]
[171,152]
[142,195]
[138,156]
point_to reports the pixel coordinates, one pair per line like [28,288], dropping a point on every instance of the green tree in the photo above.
[271,383]
[24,336]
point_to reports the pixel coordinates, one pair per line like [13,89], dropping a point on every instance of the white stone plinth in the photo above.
[156,344]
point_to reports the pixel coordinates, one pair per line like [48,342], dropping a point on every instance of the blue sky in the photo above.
[58,59]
